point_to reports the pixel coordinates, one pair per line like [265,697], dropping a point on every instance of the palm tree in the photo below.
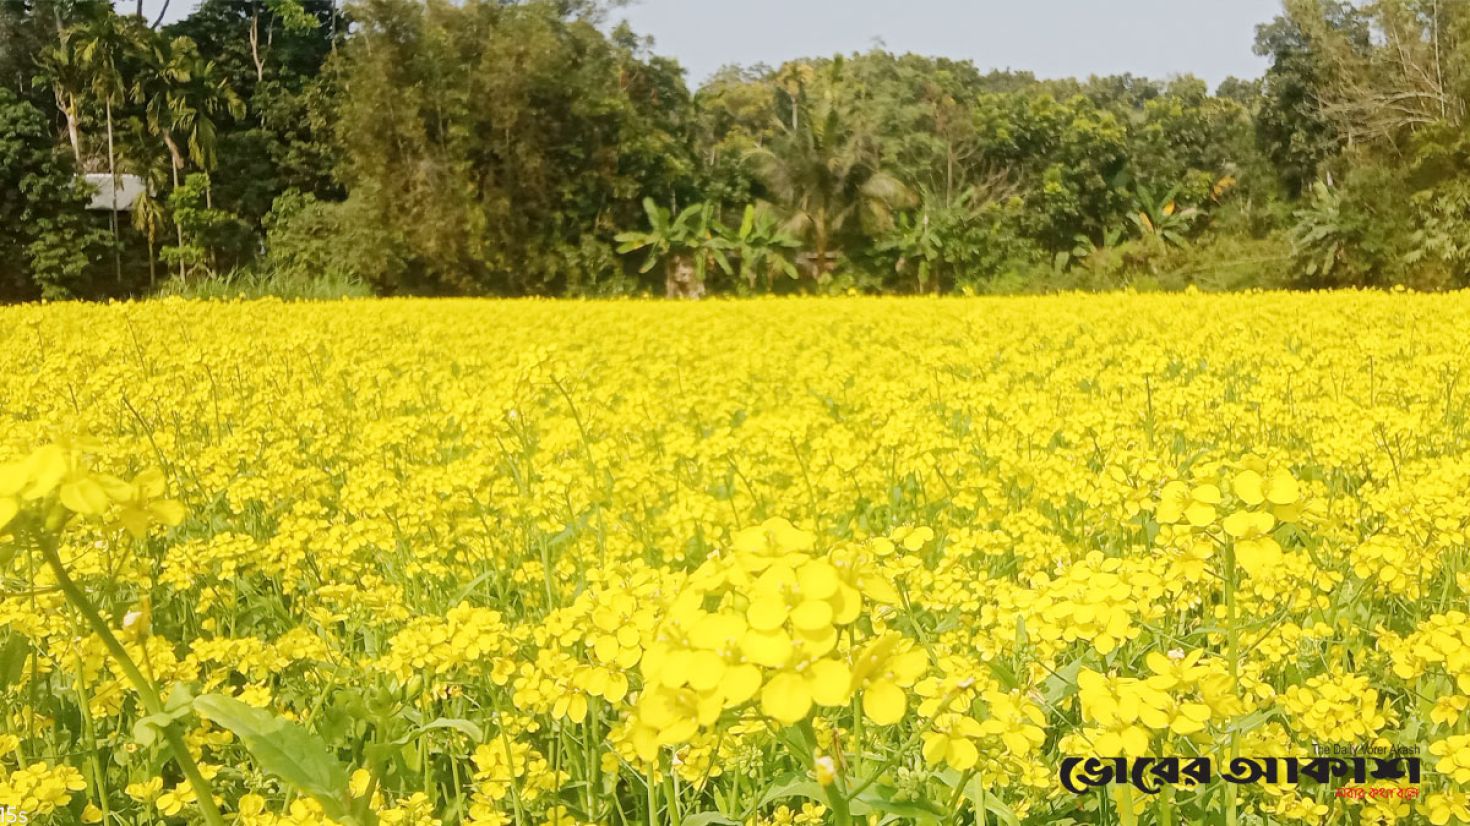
[183,96]
[102,43]
[59,62]
[149,214]
[826,176]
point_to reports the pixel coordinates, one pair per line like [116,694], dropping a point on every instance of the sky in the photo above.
[1052,38]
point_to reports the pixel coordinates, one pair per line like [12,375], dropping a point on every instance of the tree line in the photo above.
[491,147]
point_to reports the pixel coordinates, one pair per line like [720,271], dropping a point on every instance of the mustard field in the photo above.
[768,562]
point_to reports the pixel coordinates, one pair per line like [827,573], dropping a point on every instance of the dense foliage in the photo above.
[783,561]
[509,148]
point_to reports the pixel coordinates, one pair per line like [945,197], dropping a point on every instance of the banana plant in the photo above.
[1093,255]
[1162,218]
[936,239]
[688,243]
[1321,236]
[763,248]
[919,246]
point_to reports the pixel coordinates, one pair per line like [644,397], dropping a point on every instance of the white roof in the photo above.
[128,189]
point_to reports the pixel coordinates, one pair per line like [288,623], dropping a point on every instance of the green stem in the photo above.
[89,729]
[959,792]
[906,745]
[510,760]
[1166,807]
[145,688]
[1232,642]
[837,796]
[1126,815]
[651,785]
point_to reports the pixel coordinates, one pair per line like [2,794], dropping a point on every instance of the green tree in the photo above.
[206,234]
[1294,131]
[1160,217]
[827,179]
[274,54]
[184,97]
[498,148]
[46,242]
[1067,157]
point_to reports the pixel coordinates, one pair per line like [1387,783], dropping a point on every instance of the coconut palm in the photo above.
[826,177]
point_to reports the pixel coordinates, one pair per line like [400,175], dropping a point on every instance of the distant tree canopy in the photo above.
[494,147]
[531,148]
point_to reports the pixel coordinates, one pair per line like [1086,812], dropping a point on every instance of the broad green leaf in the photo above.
[464,727]
[13,657]
[283,749]
[798,787]
[179,705]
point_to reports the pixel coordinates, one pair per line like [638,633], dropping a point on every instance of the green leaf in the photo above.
[1253,721]
[147,729]
[283,749]
[880,798]
[975,793]
[464,727]
[179,705]
[13,659]
[1062,683]
[654,213]
[798,787]
[630,241]
[1004,674]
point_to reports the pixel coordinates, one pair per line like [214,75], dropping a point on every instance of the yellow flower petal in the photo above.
[13,477]
[1248,487]
[818,579]
[812,615]
[786,698]
[1282,489]
[768,648]
[84,496]
[766,613]
[884,703]
[830,682]
[44,471]
[1199,514]
[740,684]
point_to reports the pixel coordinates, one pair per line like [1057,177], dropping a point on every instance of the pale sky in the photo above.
[1053,38]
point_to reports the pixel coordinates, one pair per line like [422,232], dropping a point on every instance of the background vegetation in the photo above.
[528,148]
